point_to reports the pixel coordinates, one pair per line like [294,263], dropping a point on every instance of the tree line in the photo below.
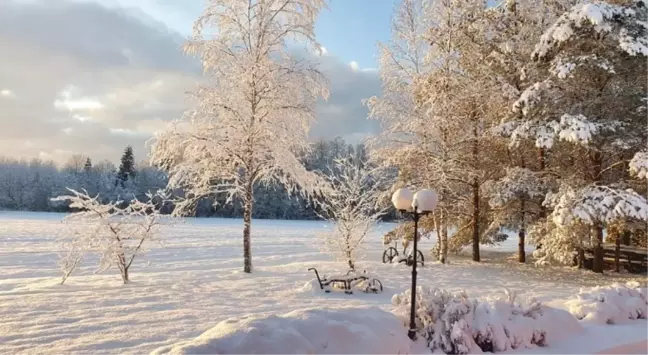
[30,185]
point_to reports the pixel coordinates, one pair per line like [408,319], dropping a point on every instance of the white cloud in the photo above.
[113,78]
[7,93]
[354,65]
[69,103]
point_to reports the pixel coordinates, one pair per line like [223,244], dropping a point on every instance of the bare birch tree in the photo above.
[255,110]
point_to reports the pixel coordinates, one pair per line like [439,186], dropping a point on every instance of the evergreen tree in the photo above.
[126,167]
[87,167]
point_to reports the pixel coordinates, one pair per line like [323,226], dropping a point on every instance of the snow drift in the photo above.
[610,304]
[310,331]
[456,324]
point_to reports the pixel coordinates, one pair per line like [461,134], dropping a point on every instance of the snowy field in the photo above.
[195,280]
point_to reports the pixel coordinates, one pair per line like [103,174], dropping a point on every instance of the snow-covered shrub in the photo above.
[310,331]
[118,232]
[70,256]
[639,165]
[352,205]
[456,324]
[610,304]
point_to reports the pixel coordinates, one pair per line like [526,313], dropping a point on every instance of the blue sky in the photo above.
[351,29]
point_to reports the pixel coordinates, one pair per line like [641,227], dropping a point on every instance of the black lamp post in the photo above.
[417,205]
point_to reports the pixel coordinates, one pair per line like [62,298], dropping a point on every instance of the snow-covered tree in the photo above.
[254,112]
[415,138]
[119,234]
[589,106]
[352,205]
[513,200]
[126,167]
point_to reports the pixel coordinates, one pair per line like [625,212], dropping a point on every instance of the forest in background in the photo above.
[29,185]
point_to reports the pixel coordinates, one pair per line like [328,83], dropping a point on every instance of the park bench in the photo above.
[348,281]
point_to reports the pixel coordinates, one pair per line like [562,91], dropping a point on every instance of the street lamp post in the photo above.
[416,205]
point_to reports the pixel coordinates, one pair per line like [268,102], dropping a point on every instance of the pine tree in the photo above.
[87,167]
[588,107]
[126,167]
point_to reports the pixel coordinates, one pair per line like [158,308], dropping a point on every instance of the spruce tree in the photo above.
[87,167]
[126,166]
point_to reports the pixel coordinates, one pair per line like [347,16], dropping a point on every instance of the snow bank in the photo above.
[310,331]
[454,323]
[610,304]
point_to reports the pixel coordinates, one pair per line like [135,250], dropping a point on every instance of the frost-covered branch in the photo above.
[352,205]
[118,232]
[597,204]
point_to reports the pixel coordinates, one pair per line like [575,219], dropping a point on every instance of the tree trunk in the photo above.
[597,266]
[348,251]
[521,234]
[617,254]
[475,220]
[475,188]
[444,239]
[598,249]
[542,161]
[626,237]
[125,275]
[247,225]
[581,257]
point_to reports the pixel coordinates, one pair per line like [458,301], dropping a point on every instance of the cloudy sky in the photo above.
[92,76]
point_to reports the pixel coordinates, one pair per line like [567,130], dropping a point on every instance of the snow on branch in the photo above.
[597,204]
[516,184]
[639,165]
[118,232]
[352,204]
[575,129]
[531,96]
[564,67]
[626,24]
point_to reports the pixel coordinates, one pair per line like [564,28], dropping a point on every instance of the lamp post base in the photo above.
[411,334]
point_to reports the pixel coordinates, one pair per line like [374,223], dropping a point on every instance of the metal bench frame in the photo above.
[347,282]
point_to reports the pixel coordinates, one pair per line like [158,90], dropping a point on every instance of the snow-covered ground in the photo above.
[195,280]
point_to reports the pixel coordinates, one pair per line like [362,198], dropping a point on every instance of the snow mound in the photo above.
[610,304]
[456,324]
[309,331]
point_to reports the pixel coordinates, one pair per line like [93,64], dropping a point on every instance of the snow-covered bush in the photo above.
[352,205]
[456,324]
[610,304]
[310,331]
[639,165]
[117,231]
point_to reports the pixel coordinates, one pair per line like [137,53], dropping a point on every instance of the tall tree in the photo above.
[126,167]
[253,117]
[591,105]
[410,136]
